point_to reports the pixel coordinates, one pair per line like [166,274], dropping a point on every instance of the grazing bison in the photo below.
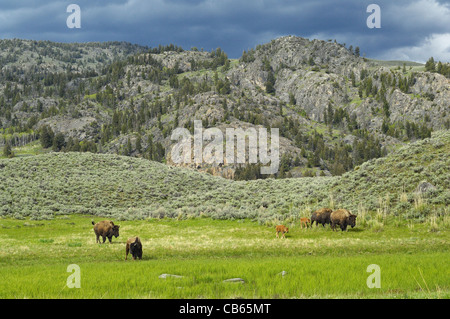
[343,218]
[106,228]
[134,246]
[321,216]
[283,229]
[304,221]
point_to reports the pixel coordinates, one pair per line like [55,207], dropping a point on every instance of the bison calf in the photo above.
[106,229]
[343,218]
[321,216]
[304,221]
[283,229]
[134,246]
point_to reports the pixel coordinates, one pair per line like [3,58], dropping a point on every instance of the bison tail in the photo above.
[93,223]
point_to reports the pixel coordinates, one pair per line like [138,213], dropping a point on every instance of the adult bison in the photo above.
[105,228]
[134,246]
[321,216]
[343,218]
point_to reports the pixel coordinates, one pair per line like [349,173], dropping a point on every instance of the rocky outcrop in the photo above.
[310,77]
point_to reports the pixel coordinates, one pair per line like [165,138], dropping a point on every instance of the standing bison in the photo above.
[106,228]
[281,229]
[321,216]
[134,246]
[343,218]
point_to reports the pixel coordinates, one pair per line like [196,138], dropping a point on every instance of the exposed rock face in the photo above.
[181,60]
[81,128]
[311,77]
[326,81]
[424,187]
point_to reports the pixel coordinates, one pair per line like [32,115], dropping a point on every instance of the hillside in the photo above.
[335,109]
[44,57]
[47,185]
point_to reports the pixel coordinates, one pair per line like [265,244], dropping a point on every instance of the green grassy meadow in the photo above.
[318,263]
[208,229]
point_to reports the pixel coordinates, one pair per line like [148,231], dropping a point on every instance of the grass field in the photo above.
[208,229]
[318,263]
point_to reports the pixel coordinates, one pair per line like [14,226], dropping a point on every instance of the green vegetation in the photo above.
[52,184]
[209,229]
[33,148]
[98,118]
[35,256]
[396,63]
[439,67]
[113,95]
[7,151]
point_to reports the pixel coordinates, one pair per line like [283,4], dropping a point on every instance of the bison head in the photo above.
[136,246]
[136,249]
[115,230]
[352,220]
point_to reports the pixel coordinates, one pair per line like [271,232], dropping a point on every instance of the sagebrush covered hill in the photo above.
[413,181]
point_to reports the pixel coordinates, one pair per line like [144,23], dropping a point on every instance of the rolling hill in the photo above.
[413,181]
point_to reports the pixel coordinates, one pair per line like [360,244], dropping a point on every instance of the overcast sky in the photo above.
[410,29]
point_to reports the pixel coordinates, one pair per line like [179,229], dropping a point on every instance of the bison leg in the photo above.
[104,239]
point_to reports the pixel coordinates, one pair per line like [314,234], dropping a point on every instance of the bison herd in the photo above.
[341,217]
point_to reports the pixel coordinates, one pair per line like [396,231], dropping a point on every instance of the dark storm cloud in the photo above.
[410,29]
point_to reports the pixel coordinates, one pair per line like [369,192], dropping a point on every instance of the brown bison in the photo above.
[321,216]
[281,229]
[304,221]
[343,218]
[105,228]
[134,246]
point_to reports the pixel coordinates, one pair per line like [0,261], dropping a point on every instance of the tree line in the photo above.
[439,67]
